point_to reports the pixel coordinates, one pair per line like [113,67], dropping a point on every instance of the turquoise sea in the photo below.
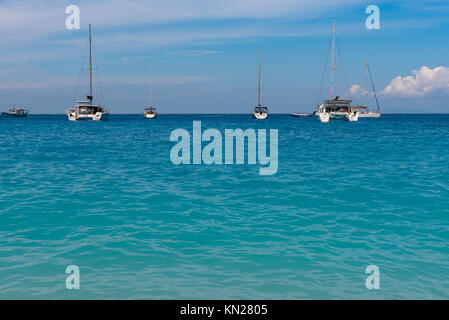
[105,196]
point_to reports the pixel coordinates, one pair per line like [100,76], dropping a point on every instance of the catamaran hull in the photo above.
[99,116]
[325,116]
[352,117]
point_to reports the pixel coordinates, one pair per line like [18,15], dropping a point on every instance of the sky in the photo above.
[205,54]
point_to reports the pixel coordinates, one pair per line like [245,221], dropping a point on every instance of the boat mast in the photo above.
[260,62]
[333,60]
[374,89]
[151,83]
[366,83]
[90,97]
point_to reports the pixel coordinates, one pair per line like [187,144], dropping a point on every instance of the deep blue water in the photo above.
[105,196]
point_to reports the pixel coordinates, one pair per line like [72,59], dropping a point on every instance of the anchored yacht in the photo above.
[87,110]
[364,111]
[260,111]
[150,112]
[16,113]
[335,108]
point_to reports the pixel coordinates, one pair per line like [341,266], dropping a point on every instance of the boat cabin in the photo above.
[85,107]
[337,105]
[260,109]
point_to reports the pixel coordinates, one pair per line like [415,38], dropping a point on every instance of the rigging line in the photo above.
[342,65]
[374,90]
[81,71]
[324,72]
[98,76]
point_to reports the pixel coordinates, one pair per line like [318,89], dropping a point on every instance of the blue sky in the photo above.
[205,54]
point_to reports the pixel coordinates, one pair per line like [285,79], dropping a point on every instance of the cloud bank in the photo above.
[422,83]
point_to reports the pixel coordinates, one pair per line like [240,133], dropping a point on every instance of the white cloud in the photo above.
[421,83]
[356,91]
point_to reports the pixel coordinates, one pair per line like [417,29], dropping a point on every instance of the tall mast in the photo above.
[260,62]
[151,83]
[374,89]
[90,63]
[333,60]
[366,82]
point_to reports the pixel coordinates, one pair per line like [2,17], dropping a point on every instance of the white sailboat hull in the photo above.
[260,116]
[369,115]
[150,115]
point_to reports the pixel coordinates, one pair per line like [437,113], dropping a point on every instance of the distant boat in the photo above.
[260,111]
[150,112]
[335,108]
[364,111]
[87,110]
[16,113]
[303,115]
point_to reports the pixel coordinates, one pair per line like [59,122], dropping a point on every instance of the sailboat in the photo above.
[87,109]
[150,112]
[365,111]
[335,108]
[260,111]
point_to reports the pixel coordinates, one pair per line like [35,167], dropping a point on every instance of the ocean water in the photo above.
[105,196]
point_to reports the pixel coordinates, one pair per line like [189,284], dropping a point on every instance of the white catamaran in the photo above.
[150,112]
[87,110]
[335,108]
[260,111]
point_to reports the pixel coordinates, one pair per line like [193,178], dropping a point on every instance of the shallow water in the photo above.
[105,196]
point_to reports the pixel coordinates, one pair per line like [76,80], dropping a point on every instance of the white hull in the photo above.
[369,115]
[323,117]
[99,116]
[326,116]
[150,115]
[260,116]
[352,117]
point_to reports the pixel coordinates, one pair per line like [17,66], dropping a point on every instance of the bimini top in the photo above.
[338,102]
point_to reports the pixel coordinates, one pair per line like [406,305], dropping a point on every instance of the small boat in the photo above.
[87,110]
[303,115]
[260,111]
[335,108]
[16,113]
[150,112]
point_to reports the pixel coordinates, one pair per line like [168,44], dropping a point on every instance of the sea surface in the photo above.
[104,196]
